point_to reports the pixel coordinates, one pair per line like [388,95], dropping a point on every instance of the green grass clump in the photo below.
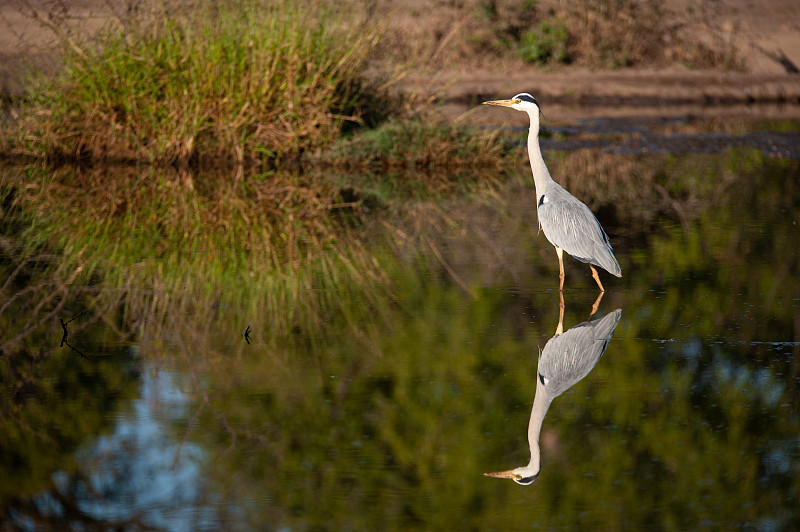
[418,144]
[228,79]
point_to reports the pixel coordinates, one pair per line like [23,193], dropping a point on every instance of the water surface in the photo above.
[689,420]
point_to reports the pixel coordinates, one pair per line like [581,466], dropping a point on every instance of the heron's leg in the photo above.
[560,253]
[596,304]
[597,278]
[560,328]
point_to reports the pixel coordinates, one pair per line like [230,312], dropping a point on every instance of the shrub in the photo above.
[547,42]
[230,79]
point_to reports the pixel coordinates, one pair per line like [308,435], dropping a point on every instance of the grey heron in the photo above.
[566,359]
[567,223]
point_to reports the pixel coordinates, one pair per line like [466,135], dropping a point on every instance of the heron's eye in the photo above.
[517,101]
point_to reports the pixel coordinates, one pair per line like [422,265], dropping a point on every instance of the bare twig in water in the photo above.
[66,333]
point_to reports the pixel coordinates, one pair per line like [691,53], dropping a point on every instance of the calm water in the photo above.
[689,420]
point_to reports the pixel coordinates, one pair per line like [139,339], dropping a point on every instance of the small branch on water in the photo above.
[66,333]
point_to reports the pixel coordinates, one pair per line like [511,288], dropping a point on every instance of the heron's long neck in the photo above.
[541,176]
[541,402]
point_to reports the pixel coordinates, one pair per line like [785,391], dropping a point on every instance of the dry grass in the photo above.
[614,34]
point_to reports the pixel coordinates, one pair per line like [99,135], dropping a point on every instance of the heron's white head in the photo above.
[523,476]
[521,102]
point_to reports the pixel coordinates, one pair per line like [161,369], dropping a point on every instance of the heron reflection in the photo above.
[566,359]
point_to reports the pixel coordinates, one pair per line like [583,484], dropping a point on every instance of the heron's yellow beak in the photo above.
[501,474]
[503,103]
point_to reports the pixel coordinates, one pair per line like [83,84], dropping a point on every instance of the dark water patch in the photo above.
[667,135]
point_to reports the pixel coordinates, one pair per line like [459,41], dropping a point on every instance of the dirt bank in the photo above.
[573,94]
[764,37]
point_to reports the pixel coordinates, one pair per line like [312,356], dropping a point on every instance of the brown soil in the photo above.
[435,42]
[764,35]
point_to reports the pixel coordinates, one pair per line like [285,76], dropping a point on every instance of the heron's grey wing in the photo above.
[569,357]
[570,225]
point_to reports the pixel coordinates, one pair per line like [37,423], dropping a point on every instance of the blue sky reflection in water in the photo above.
[141,471]
[689,419]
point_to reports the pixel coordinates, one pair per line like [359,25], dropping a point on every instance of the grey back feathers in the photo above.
[570,225]
[569,357]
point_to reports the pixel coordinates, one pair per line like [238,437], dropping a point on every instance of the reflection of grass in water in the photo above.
[270,246]
[273,245]
[280,247]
